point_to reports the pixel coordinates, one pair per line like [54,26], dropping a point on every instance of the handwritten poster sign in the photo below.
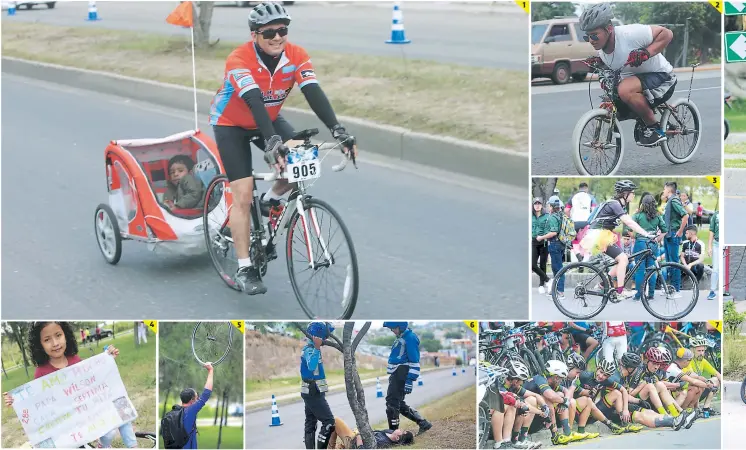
[75,405]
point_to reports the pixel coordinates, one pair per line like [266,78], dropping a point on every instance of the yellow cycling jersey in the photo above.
[702,368]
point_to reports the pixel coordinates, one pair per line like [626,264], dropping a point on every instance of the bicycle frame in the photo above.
[648,253]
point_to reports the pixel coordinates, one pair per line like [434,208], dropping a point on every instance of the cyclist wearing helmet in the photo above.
[556,247]
[314,387]
[676,218]
[403,369]
[259,76]
[648,80]
[576,364]
[686,386]
[600,237]
[703,369]
[510,417]
[517,374]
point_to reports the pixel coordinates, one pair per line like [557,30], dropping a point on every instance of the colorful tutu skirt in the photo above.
[597,240]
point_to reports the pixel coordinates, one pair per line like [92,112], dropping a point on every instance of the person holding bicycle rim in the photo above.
[601,238]
[648,80]
[259,76]
[314,387]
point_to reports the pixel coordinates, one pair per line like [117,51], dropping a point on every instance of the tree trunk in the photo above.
[165,402]
[543,188]
[202,24]
[18,334]
[354,388]
[2,361]
[217,408]
[220,429]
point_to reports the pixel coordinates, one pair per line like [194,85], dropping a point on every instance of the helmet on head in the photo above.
[684,354]
[558,368]
[320,329]
[607,367]
[555,203]
[666,355]
[517,369]
[630,359]
[697,341]
[401,325]
[576,361]
[655,354]
[596,16]
[266,13]
[624,186]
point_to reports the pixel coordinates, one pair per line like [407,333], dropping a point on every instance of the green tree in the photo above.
[544,11]
[454,335]
[430,345]
[426,335]
[387,341]
[732,318]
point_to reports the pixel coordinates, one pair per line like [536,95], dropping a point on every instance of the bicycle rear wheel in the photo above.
[323,236]
[683,130]
[212,341]
[533,364]
[484,425]
[664,304]
[583,282]
[218,239]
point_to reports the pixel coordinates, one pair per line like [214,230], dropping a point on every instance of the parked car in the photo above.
[558,49]
[104,334]
[28,5]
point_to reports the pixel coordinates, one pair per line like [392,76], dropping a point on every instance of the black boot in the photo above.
[413,415]
[310,440]
[393,417]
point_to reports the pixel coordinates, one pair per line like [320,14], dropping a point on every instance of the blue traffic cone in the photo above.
[397,27]
[463,369]
[12,9]
[276,422]
[92,12]
[419,380]
[379,391]
[454,371]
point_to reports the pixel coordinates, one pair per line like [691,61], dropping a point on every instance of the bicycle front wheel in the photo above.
[670,302]
[584,291]
[484,425]
[212,341]
[597,144]
[321,256]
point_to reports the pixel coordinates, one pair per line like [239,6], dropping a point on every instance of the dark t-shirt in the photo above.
[48,368]
[691,250]
[587,380]
[538,385]
[383,441]
[634,379]
[608,215]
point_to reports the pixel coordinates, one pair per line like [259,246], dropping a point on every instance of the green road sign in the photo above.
[735,8]
[735,46]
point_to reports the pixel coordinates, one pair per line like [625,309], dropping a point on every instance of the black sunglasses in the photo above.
[271,33]
[591,37]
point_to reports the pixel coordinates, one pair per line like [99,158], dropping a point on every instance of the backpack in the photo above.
[172,428]
[567,232]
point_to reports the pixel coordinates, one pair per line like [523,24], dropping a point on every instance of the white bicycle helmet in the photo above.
[697,342]
[596,16]
[516,369]
[576,361]
[558,368]
[266,13]
[607,367]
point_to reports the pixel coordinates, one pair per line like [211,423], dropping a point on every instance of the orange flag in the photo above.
[183,15]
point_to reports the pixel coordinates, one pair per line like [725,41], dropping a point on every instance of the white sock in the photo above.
[244,262]
[270,195]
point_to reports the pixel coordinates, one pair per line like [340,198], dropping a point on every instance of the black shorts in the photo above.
[657,88]
[613,251]
[234,146]
[582,340]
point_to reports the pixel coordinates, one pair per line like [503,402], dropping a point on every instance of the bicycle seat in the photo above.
[305,134]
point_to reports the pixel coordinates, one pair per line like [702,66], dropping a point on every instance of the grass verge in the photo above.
[453,418]
[735,163]
[231,437]
[737,120]
[136,368]
[737,148]
[263,390]
[734,358]
[479,104]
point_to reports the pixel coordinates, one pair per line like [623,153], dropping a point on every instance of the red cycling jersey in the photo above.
[615,329]
[244,71]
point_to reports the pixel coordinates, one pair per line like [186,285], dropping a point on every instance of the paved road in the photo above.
[734,233]
[453,35]
[556,109]
[436,385]
[542,308]
[705,433]
[429,244]
[734,416]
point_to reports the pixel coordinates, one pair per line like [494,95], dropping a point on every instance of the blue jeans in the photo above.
[557,252]
[673,245]
[127,433]
[640,272]
[715,266]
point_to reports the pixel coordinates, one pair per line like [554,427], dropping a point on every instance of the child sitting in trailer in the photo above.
[184,190]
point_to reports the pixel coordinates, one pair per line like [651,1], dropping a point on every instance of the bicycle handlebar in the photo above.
[275,175]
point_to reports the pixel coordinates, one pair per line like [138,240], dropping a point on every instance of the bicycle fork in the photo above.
[282,223]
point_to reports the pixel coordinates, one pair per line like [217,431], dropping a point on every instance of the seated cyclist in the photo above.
[704,370]
[259,76]
[687,387]
[517,374]
[601,238]
[510,415]
[649,79]
[615,402]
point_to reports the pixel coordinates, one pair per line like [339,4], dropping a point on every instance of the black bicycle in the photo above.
[585,280]
[497,347]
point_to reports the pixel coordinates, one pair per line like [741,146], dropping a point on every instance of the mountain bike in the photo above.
[541,345]
[497,347]
[311,226]
[597,140]
[591,279]
[211,342]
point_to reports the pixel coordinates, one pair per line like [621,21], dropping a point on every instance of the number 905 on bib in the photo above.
[303,165]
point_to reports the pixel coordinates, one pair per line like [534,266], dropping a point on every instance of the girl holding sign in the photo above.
[53,347]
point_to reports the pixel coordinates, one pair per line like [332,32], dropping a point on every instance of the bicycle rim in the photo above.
[214,221]
[577,287]
[683,132]
[212,341]
[743,391]
[341,270]
[484,426]
[664,305]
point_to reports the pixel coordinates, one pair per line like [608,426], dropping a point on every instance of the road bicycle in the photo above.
[308,223]
[497,347]
[211,342]
[597,140]
[541,345]
[592,280]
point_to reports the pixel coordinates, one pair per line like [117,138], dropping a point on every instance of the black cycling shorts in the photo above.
[234,146]
[613,251]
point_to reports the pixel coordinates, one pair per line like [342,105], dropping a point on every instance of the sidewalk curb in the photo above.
[258,405]
[441,152]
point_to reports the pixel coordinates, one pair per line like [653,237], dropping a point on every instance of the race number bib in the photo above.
[303,165]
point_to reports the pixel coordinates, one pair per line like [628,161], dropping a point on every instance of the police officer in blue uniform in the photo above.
[403,369]
[314,387]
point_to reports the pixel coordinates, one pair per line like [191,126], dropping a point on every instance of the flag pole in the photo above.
[194,72]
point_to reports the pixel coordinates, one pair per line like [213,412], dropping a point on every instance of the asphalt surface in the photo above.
[429,244]
[734,416]
[290,435]
[555,111]
[543,308]
[734,233]
[460,35]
